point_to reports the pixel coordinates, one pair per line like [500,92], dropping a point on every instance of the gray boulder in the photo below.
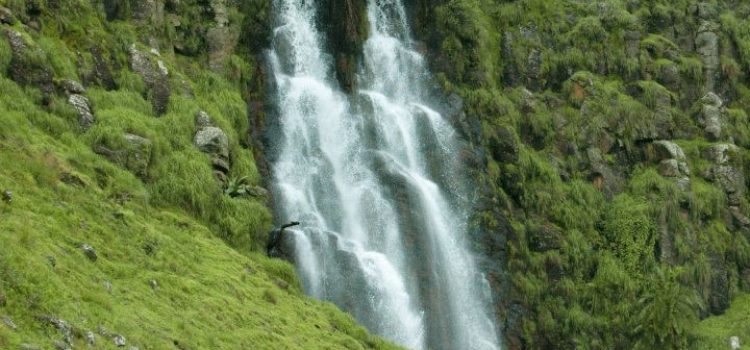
[668,150]
[119,340]
[155,76]
[214,142]
[82,105]
[711,115]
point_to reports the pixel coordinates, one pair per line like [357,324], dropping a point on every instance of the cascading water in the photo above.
[374,179]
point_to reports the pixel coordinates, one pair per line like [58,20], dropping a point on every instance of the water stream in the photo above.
[374,179]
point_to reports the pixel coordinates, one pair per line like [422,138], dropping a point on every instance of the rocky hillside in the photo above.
[613,140]
[132,212]
[609,142]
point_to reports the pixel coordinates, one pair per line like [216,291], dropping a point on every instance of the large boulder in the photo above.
[80,102]
[29,65]
[155,76]
[711,113]
[667,150]
[672,161]
[213,141]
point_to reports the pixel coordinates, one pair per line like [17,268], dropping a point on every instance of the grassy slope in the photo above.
[716,331]
[175,227]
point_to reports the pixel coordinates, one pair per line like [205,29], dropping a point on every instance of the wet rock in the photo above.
[8,322]
[8,196]
[82,105]
[89,251]
[155,76]
[153,284]
[119,340]
[6,16]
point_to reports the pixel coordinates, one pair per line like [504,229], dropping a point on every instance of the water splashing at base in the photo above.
[372,177]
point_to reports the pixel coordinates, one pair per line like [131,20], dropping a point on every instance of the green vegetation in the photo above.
[605,251]
[178,262]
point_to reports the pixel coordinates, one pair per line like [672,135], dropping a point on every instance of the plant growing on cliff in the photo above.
[666,312]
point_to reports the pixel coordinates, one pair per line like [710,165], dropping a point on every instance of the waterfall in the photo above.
[373,177]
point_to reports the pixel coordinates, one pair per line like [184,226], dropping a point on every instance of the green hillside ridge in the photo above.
[141,242]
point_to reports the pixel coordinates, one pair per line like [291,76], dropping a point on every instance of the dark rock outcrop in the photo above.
[345,24]
[155,76]
[214,142]
[29,65]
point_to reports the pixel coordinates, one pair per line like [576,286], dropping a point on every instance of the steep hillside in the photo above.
[132,211]
[613,140]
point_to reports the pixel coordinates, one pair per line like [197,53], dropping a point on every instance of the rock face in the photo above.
[76,98]
[707,46]
[672,162]
[155,76]
[345,24]
[711,116]
[29,65]
[213,141]
[82,105]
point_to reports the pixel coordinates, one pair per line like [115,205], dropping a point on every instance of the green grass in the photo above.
[208,295]
[214,289]
[714,332]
